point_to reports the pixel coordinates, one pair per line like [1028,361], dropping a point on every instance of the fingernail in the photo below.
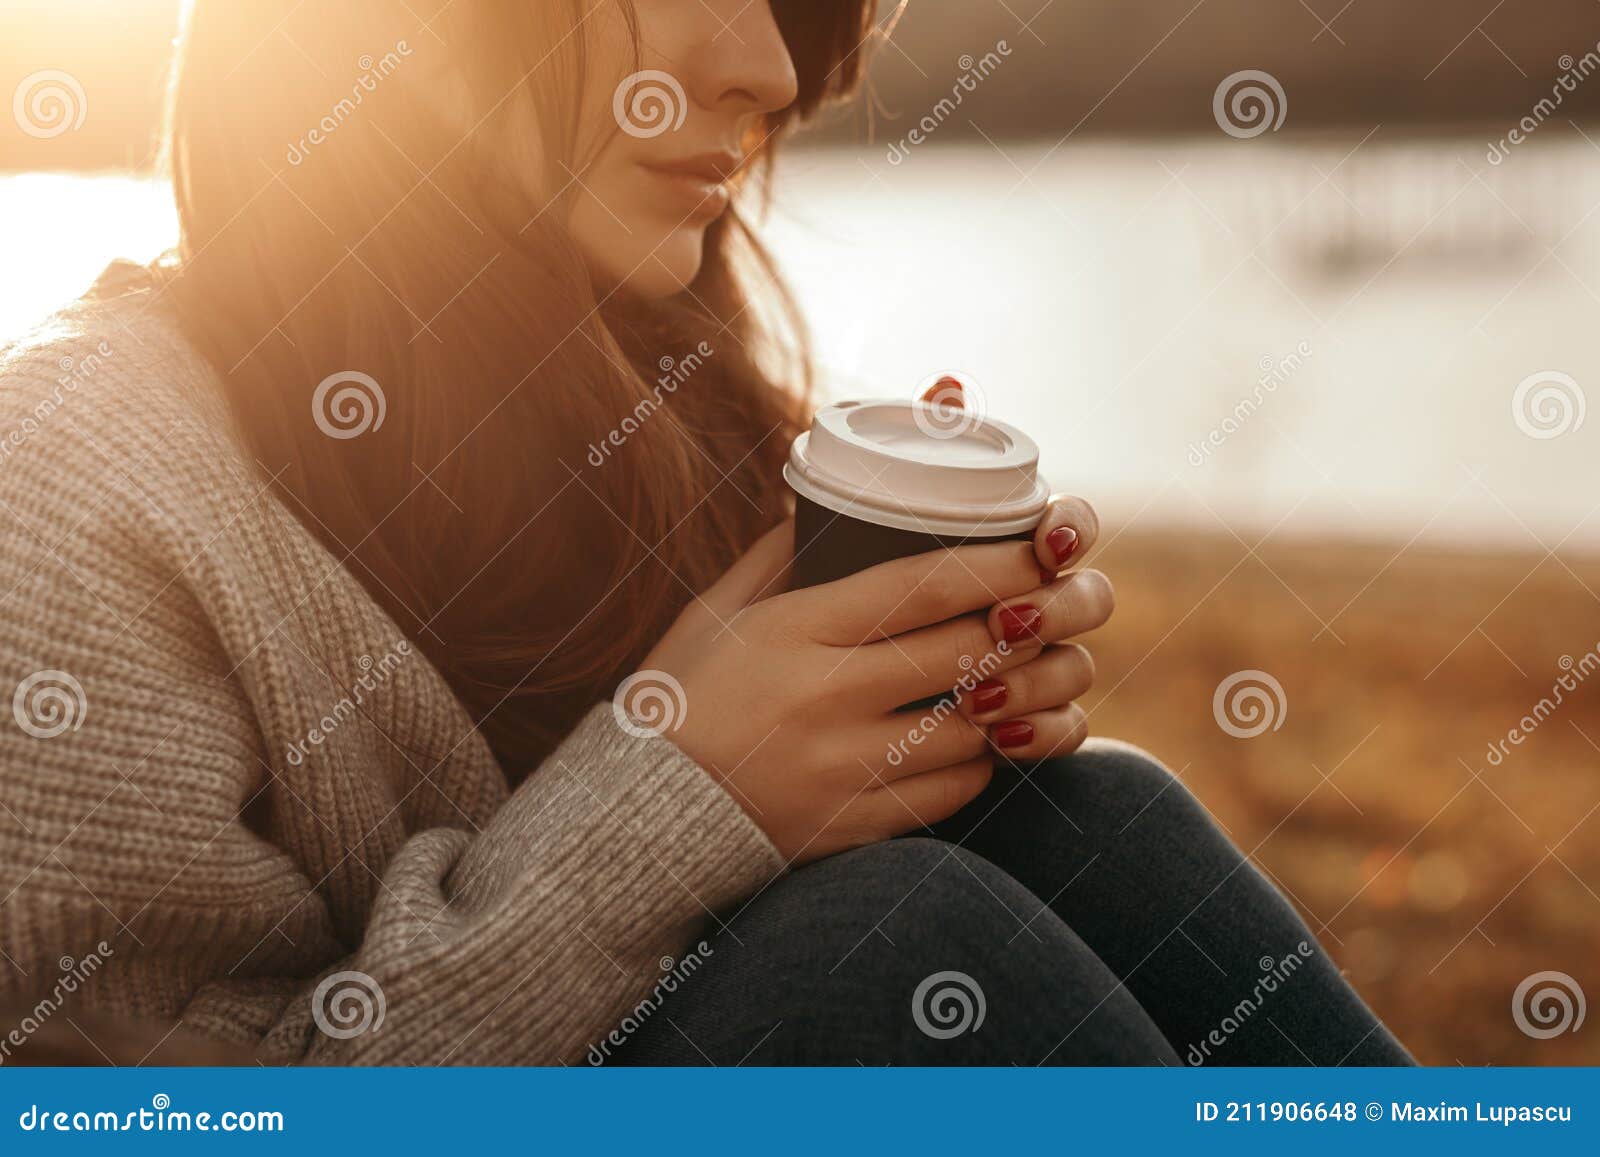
[1019,623]
[990,695]
[1063,540]
[1013,734]
[946,391]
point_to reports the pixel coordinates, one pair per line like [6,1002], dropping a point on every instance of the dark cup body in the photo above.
[830,546]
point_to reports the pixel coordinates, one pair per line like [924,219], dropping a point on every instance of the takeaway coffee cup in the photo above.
[881,479]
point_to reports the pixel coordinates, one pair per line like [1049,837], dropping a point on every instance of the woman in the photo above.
[463,398]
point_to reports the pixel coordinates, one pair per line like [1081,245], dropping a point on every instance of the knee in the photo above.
[921,894]
[926,871]
[901,951]
[1111,782]
[901,911]
[1121,767]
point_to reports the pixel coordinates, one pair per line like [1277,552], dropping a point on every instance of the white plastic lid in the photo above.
[918,467]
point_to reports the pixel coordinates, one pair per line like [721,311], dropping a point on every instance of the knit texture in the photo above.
[226,775]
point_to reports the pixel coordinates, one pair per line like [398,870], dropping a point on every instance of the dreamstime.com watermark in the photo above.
[674,372]
[1274,973]
[976,672]
[373,73]
[74,373]
[1248,103]
[348,404]
[1248,703]
[74,974]
[375,673]
[160,1117]
[1274,373]
[649,103]
[1548,404]
[49,703]
[1577,670]
[948,1004]
[348,1004]
[50,103]
[673,973]
[949,405]
[1573,73]
[1548,1004]
[649,703]
[973,73]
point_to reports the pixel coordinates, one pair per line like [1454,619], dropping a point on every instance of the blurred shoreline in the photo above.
[1342,324]
[1093,68]
[1121,301]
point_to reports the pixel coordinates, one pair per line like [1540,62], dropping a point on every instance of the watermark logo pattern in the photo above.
[1547,1004]
[948,1004]
[649,103]
[649,703]
[49,703]
[1249,703]
[348,1004]
[348,404]
[1548,404]
[949,405]
[50,103]
[1248,103]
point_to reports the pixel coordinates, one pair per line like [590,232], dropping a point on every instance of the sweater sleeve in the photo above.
[534,938]
[127,817]
[161,859]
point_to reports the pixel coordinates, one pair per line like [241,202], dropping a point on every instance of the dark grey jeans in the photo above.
[1086,910]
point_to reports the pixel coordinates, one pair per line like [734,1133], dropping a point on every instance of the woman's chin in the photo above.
[665,267]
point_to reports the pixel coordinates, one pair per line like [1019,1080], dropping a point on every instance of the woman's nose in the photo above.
[742,63]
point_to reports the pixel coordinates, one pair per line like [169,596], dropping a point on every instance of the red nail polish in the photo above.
[947,391]
[1063,540]
[990,695]
[1019,623]
[1013,734]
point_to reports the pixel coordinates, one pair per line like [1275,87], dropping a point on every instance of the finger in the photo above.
[1042,734]
[1078,602]
[1058,676]
[1067,531]
[761,571]
[958,654]
[894,597]
[913,742]
[920,801]
[947,392]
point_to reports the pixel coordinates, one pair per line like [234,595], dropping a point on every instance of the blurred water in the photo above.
[59,231]
[1120,301]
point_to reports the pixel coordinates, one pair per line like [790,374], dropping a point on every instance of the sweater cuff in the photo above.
[685,820]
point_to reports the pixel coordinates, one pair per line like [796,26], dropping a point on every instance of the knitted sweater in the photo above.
[233,796]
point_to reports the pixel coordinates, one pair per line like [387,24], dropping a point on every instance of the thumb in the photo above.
[763,571]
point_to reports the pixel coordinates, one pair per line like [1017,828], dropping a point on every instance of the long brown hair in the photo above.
[556,470]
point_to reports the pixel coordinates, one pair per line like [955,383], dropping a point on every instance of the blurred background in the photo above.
[1300,293]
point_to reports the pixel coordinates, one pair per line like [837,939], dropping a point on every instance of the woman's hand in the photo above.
[789,700]
[1029,711]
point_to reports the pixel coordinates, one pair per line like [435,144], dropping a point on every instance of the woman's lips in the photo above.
[697,186]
